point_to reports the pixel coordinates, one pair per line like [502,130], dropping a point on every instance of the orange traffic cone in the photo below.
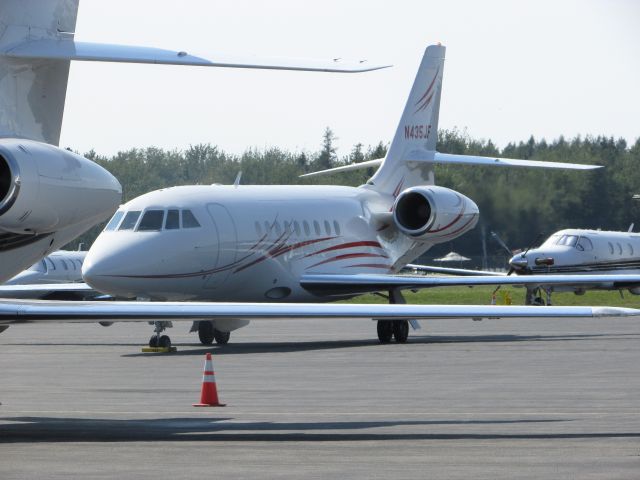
[209,394]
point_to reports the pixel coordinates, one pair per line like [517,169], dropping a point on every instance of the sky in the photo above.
[513,69]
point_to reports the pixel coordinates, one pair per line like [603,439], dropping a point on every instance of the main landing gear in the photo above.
[157,340]
[207,334]
[397,329]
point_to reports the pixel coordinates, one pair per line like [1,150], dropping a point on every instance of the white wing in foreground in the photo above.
[68,49]
[86,312]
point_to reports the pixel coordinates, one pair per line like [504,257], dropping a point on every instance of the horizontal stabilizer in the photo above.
[448,158]
[346,168]
[68,49]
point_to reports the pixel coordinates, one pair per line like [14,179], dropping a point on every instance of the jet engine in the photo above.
[45,188]
[434,214]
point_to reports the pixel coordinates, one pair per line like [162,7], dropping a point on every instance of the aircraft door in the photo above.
[227,244]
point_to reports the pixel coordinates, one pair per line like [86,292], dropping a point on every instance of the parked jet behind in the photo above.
[294,243]
[62,266]
[48,195]
[577,251]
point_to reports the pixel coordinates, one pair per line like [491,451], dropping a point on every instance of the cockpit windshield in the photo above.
[153,220]
[130,220]
[115,220]
[568,240]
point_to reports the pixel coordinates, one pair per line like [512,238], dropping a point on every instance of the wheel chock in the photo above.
[159,349]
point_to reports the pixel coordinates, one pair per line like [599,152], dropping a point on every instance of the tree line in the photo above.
[520,204]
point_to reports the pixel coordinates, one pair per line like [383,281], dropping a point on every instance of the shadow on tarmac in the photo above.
[297,346]
[54,430]
[304,346]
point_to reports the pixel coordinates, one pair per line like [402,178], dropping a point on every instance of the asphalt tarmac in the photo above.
[483,400]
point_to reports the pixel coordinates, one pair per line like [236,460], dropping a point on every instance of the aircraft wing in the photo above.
[327,284]
[34,311]
[452,271]
[47,290]
[68,49]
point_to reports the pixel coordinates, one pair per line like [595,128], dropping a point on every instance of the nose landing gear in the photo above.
[157,340]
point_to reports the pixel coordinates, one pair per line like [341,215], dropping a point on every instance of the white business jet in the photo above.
[284,243]
[62,266]
[48,195]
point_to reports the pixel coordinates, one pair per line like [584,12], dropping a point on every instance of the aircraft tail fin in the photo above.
[417,130]
[33,91]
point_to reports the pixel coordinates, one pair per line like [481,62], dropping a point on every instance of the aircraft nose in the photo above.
[518,262]
[101,270]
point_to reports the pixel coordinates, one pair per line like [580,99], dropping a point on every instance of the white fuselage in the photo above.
[577,251]
[254,243]
[63,266]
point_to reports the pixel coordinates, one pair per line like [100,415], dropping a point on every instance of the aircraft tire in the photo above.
[164,341]
[205,332]
[153,341]
[401,330]
[385,330]
[222,338]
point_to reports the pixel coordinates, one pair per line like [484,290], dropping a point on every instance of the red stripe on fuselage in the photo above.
[366,243]
[348,255]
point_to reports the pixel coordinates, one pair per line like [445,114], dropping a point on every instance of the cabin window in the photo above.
[151,221]
[79,262]
[64,264]
[51,264]
[611,248]
[188,220]
[115,220]
[630,248]
[584,244]
[316,227]
[619,249]
[327,227]
[258,229]
[336,227]
[307,230]
[173,220]
[296,227]
[130,220]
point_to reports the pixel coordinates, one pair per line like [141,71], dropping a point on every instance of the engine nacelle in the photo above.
[434,214]
[45,188]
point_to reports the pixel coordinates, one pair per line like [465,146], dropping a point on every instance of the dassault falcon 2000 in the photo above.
[298,243]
